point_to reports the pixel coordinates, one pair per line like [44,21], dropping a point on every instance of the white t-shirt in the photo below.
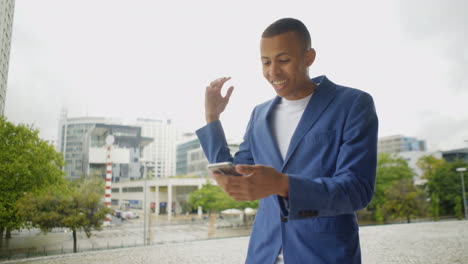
[285,117]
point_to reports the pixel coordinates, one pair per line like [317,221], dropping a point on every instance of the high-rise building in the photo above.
[160,155]
[455,155]
[6,23]
[82,142]
[197,161]
[399,143]
[183,149]
[191,159]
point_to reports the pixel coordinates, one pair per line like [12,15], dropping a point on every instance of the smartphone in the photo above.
[226,168]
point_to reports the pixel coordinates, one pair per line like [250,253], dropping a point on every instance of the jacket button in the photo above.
[284,219]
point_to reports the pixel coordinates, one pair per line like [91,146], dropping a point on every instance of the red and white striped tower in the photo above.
[107,198]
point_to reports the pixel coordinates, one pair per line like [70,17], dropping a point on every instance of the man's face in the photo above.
[285,62]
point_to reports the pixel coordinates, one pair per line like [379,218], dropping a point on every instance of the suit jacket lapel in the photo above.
[322,96]
[270,142]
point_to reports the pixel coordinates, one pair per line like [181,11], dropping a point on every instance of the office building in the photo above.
[455,154]
[82,141]
[163,195]
[399,143]
[183,149]
[160,155]
[6,24]
[197,162]
[191,159]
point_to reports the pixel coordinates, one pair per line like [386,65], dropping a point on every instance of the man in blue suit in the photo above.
[309,155]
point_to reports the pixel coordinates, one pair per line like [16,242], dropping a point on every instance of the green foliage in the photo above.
[213,199]
[458,208]
[210,197]
[245,204]
[429,164]
[80,207]
[378,215]
[404,199]
[28,164]
[444,181]
[434,211]
[390,169]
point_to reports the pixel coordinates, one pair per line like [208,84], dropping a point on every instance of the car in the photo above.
[118,213]
[128,215]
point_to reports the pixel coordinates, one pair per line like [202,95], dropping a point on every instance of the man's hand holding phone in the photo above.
[225,168]
[252,182]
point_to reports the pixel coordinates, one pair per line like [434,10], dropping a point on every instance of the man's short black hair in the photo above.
[289,25]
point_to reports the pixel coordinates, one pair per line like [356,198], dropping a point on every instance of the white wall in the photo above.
[117,155]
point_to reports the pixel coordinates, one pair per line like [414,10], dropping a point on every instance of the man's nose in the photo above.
[275,69]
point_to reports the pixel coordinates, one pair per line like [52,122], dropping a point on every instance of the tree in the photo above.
[213,199]
[28,164]
[245,204]
[81,207]
[443,182]
[404,199]
[378,215]
[434,206]
[458,207]
[429,164]
[390,169]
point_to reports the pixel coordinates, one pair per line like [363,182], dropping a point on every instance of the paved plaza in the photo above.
[431,242]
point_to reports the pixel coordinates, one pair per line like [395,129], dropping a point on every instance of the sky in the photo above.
[154,59]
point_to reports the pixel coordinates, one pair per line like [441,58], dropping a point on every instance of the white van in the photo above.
[128,215]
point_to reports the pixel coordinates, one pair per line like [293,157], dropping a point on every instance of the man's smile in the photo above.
[279,84]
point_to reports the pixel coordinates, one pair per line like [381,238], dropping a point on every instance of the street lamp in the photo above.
[145,212]
[146,216]
[461,170]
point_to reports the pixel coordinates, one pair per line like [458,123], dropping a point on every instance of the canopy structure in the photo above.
[232,211]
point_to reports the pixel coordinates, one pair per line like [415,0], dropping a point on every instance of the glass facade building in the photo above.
[456,154]
[191,159]
[182,155]
[6,24]
[399,143]
[82,143]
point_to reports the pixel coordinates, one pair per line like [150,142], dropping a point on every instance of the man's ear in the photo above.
[310,57]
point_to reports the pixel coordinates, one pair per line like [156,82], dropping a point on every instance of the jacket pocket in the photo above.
[326,137]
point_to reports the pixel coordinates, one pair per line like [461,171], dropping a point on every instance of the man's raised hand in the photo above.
[215,103]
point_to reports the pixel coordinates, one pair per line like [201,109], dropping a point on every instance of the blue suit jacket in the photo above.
[331,166]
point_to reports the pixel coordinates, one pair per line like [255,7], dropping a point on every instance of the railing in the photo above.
[44,251]
[225,229]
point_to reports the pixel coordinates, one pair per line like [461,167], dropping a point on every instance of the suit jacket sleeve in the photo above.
[214,144]
[352,186]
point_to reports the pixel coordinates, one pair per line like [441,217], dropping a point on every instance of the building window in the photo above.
[132,189]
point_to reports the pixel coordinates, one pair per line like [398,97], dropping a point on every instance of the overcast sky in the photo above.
[153,59]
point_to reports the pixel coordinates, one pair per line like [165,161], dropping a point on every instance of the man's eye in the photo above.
[284,61]
[266,63]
